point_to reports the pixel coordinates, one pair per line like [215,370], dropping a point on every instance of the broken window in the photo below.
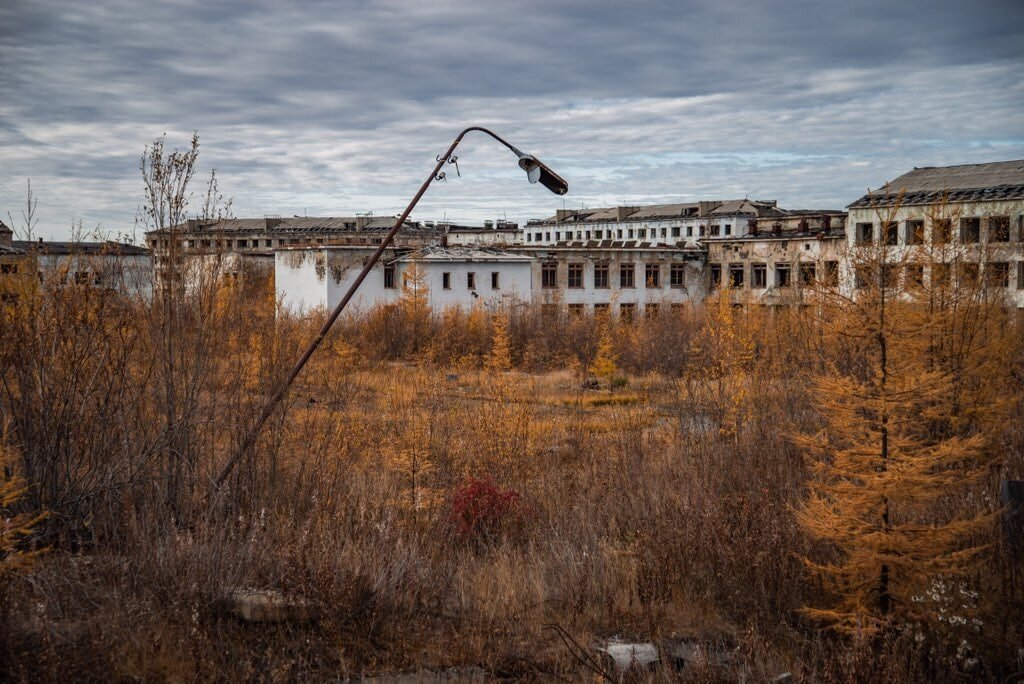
[808,273]
[782,273]
[652,275]
[8,269]
[675,231]
[575,275]
[940,275]
[891,231]
[914,276]
[627,275]
[627,312]
[576,310]
[651,310]
[830,274]
[471,280]
[601,276]
[970,230]
[689,231]
[389,276]
[864,233]
[728,229]
[81,277]
[759,276]
[677,275]
[997,274]
[942,231]
[968,273]
[736,275]
[446,280]
[715,229]
[495,282]
[715,271]
[601,310]
[861,277]
[999,229]
[549,274]
[915,232]
[1020,275]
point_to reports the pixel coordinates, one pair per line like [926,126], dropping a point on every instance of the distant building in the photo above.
[309,278]
[620,280]
[772,260]
[971,214]
[236,249]
[677,225]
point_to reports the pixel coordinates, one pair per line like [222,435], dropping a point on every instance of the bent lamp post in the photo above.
[536,172]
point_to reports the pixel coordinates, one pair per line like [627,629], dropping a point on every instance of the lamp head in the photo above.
[539,172]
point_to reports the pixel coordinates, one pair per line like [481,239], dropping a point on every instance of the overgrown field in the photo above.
[455,490]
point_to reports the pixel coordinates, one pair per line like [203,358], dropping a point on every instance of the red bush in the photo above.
[480,511]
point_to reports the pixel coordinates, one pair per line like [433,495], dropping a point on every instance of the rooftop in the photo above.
[80,248]
[962,183]
[461,254]
[663,212]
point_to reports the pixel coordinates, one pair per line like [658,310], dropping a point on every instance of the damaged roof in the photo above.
[106,248]
[663,212]
[962,183]
[296,224]
[435,253]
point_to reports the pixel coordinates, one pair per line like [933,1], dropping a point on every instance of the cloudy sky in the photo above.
[339,107]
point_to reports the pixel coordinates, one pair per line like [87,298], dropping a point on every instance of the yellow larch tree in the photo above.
[894,452]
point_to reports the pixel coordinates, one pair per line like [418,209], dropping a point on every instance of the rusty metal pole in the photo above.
[550,180]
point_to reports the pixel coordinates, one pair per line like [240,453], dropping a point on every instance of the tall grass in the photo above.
[665,516]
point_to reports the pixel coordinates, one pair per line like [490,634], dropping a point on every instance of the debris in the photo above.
[267,605]
[625,655]
[783,678]
[452,377]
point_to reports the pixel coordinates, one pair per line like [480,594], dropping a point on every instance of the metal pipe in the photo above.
[282,389]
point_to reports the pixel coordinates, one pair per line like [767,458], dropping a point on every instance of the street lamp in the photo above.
[536,172]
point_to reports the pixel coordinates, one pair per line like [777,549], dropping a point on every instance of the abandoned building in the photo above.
[115,266]
[239,249]
[964,222]
[771,261]
[676,225]
[309,278]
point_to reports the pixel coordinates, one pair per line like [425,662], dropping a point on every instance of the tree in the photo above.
[604,365]
[895,452]
[500,357]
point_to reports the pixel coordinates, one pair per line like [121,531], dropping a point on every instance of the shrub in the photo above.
[480,512]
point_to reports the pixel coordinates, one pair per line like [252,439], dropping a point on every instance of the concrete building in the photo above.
[609,278]
[317,278]
[772,260]
[970,214]
[677,225]
[116,266]
[239,249]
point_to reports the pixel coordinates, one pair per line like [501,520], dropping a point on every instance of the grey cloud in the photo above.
[335,107]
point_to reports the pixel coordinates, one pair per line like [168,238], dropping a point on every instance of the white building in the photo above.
[317,278]
[617,280]
[971,214]
[115,266]
[680,225]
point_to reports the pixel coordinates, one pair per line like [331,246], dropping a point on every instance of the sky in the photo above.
[337,108]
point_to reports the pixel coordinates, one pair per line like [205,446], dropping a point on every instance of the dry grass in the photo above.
[643,516]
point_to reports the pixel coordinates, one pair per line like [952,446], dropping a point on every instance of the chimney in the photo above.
[562,214]
[622,212]
[705,207]
[361,222]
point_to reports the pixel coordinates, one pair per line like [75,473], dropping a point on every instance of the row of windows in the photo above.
[626,310]
[913,231]
[446,279]
[782,274]
[997,274]
[627,233]
[602,275]
[253,243]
